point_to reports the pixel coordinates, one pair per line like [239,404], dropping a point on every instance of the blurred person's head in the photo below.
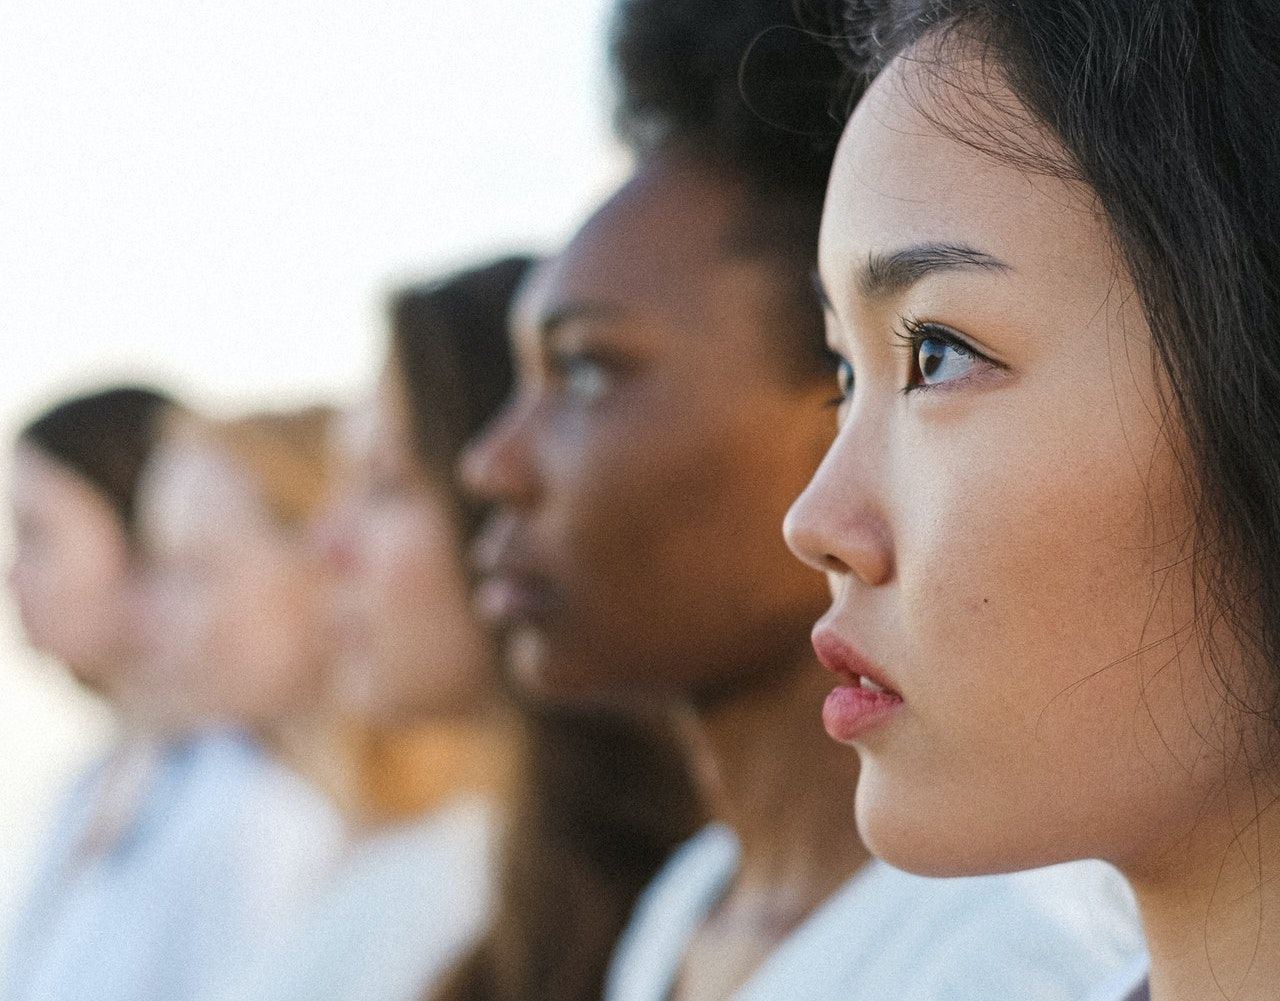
[74,494]
[397,536]
[597,801]
[230,608]
[671,379]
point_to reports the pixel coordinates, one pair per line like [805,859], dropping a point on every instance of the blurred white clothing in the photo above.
[394,918]
[149,893]
[1129,985]
[1052,934]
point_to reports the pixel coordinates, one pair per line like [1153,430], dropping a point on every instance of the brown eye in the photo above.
[584,377]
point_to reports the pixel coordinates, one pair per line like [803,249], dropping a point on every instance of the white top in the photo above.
[1051,934]
[395,916]
[219,849]
[1128,985]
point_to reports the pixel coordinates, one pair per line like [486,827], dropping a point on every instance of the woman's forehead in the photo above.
[918,166]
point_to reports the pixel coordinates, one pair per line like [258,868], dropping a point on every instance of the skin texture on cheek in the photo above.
[71,554]
[409,644]
[231,616]
[653,507]
[667,511]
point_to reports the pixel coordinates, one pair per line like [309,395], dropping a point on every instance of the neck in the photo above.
[785,788]
[408,771]
[313,744]
[381,775]
[1211,906]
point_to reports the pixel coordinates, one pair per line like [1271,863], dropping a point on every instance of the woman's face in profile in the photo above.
[71,571]
[408,643]
[228,603]
[1003,517]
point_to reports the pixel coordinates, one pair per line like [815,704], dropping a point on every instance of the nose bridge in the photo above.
[838,524]
[497,465]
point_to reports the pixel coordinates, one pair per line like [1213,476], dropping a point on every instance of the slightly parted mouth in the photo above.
[842,659]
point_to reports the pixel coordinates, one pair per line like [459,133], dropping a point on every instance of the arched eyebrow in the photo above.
[555,318]
[886,275]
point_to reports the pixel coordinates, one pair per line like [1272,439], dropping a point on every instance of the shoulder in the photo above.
[668,913]
[1051,934]
[691,879]
[443,859]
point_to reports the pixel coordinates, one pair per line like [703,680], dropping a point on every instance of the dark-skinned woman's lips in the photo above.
[505,598]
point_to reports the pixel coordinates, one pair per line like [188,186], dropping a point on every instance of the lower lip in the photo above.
[850,712]
[500,600]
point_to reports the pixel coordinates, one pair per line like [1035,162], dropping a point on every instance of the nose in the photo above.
[835,526]
[497,466]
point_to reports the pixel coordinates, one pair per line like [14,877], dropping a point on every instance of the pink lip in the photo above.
[851,710]
[502,598]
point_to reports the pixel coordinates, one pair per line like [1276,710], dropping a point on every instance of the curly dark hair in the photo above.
[754,90]
[752,84]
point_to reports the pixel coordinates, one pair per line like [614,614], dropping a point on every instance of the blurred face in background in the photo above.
[644,465]
[409,645]
[229,603]
[70,574]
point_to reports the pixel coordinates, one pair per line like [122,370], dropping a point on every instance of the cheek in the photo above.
[75,603]
[403,563]
[640,493]
[677,521]
[1044,627]
[411,557]
[274,617]
[423,629]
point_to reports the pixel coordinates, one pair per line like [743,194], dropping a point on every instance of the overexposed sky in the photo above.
[220,192]
[218,195]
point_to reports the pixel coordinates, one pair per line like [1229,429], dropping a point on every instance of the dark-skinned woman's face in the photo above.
[643,467]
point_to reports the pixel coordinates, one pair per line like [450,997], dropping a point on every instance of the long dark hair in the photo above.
[1166,109]
[601,799]
[106,438]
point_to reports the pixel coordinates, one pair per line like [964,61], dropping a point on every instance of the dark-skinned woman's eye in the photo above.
[587,379]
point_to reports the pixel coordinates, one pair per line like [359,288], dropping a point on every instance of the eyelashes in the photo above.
[937,356]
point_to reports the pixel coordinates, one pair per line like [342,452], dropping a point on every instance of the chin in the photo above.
[933,830]
[570,679]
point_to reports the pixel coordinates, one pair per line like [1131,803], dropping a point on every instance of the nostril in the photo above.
[833,564]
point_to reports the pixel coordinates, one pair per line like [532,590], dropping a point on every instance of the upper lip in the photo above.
[840,657]
[499,554]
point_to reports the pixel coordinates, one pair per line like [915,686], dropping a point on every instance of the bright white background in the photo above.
[219,195]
